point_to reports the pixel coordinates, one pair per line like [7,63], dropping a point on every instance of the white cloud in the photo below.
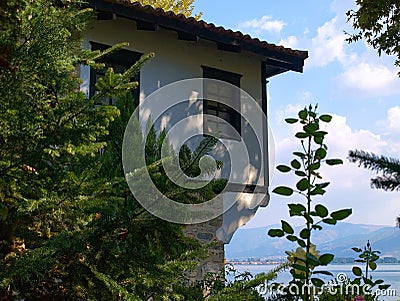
[370,79]
[392,127]
[364,73]
[289,42]
[393,118]
[265,23]
[328,45]
[290,110]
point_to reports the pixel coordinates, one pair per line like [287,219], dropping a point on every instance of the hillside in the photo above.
[339,240]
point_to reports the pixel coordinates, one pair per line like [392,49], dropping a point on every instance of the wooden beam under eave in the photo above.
[104,15]
[228,47]
[295,66]
[144,25]
[185,36]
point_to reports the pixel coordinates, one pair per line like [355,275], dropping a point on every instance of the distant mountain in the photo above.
[339,240]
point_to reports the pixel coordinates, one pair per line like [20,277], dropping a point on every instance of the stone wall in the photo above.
[206,233]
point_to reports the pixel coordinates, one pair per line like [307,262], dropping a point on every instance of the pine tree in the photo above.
[390,168]
[69,226]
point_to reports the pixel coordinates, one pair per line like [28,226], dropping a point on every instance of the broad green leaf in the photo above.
[301,243]
[308,218]
[296,209]
[326,259]
[317,191]
[305,234]
[334,161]
[358,250]
[329,221]
[283,168]
[286,227]
[283,190]
[312,259]
[320,134]
[291,120]
[311,128]
[299,276]
[379,281]
[317,227]
[372,265]
[299,267]
[301,135]
[356,281]
[320,153]
[295,213]
[323,273]
[295,164]
[291,237]
[302,185]
[341,214]
[299,154]
[315,166]
[384,286]
[321,210]
[276,233]
[318,140]
[317,282]
[300,173]
[325,118]
[303,114]
[357,271]
[323,185]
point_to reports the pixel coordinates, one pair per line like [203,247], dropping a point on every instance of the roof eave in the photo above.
[278,58]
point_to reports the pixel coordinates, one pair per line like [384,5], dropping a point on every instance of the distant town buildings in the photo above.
[278,260]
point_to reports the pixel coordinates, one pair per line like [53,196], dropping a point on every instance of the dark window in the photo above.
[215,94]
[119,61]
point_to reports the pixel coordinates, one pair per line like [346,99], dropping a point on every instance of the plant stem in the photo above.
[309,159]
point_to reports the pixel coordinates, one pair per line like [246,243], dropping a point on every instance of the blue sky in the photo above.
[360,90]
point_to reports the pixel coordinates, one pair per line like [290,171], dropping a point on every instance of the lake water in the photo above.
[389,273]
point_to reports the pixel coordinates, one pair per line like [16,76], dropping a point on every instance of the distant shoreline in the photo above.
[280,262]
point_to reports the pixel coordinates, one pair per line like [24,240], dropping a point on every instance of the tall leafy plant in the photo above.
[306,166]
[368,257]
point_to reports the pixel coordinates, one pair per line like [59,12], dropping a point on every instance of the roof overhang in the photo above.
[278,59]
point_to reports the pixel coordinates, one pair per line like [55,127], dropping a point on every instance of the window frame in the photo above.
[234,116]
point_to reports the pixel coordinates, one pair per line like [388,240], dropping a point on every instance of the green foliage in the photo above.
[47,126]
[69,226]
[377,22]
[368,257]
[306,166]
[362,285]
[338,291]
[184,7]
[241,286]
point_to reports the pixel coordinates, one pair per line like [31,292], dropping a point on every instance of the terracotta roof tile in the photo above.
[244,38]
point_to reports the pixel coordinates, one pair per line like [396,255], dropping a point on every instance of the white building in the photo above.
[184,49]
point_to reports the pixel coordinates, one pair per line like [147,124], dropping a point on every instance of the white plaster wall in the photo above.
[177,60]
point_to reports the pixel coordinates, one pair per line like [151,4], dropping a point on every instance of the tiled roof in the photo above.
[189,25]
